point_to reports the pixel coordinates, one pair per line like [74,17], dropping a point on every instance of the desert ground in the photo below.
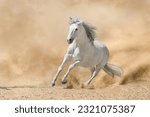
[33,42]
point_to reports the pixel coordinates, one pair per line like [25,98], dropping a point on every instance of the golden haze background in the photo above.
[33,39]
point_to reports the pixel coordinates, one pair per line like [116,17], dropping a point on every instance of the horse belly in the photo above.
[88,64]
[90,60]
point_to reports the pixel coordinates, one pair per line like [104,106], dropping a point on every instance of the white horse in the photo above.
[85,51]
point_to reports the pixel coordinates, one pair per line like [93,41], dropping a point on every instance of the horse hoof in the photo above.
[84,85]
[53,84]
[64,82]
[67,86]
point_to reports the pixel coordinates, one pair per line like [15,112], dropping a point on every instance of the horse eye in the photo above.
[76,29]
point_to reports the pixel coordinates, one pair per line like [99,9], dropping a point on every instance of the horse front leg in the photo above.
[60,68]
[64,80]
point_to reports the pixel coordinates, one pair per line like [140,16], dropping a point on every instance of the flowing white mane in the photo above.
[90,31]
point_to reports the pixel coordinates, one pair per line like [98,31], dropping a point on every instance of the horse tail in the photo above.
[113,70]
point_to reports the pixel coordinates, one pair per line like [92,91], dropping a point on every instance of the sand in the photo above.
[33,42]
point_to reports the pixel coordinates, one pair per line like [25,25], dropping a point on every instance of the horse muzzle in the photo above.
[70,41]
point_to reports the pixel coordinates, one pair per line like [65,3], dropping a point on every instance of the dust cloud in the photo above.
[33,39]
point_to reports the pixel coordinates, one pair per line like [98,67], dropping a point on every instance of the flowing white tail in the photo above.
[113,70]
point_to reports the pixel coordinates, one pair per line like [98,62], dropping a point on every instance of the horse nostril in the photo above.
[70,41]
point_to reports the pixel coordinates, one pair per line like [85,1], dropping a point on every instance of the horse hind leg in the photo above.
[94,72]
[108,72]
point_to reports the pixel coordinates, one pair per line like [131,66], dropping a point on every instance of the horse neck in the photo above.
[82,39]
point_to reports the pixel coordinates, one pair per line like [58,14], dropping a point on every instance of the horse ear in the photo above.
[70,20]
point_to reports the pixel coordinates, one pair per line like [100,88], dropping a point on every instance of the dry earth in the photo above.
[33,42]
[137,91]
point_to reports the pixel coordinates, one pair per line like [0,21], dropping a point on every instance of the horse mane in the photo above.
[89,29]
